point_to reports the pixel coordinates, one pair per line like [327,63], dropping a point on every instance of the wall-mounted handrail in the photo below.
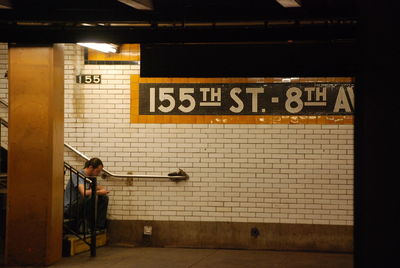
[3,122]
[180,175]
[4,103]
[174,176]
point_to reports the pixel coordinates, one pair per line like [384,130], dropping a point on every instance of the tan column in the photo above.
[35,156]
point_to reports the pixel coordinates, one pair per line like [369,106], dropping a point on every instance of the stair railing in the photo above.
[79,212]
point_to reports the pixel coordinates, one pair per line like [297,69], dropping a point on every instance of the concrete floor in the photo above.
[199,258]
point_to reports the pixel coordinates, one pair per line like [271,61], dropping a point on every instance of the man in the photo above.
[77,195]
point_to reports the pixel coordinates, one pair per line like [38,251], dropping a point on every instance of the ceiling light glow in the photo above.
[103,47]
[289,3]
[139,4]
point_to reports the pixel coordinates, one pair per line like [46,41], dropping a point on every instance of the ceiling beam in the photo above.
[122,13]
[104,34]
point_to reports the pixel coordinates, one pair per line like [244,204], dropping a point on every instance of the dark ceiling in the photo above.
[177,10]
[177,21]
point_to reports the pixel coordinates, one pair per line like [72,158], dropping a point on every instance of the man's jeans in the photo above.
[81,212]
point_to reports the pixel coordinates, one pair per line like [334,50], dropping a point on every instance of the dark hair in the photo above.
[94,162]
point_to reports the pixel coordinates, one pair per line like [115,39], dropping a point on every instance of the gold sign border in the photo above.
[234,119]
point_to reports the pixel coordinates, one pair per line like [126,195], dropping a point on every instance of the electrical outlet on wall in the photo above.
[148,230]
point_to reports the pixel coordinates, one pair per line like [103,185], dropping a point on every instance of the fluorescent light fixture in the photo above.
[289,3]
[5,4]
[103,47]
[139,4]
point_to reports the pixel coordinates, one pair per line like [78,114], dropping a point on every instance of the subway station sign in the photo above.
[242,100]
[246,99]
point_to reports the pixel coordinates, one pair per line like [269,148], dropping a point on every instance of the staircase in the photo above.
[3,199]
[74,242]
[3,169]
[3,177]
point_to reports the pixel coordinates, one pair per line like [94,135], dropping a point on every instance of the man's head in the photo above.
[93,167]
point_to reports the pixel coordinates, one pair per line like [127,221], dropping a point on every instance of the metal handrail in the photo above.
[3,122]
[181,175]
[4,103]
[175,176]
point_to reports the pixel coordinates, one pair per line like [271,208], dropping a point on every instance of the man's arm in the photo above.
[83,191]
[100,190]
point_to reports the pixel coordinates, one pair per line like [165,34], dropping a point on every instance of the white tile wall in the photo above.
[239,173]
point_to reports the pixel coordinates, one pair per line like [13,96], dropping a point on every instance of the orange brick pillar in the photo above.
[35,156]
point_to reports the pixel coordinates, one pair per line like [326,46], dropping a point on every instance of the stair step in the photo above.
[72,245]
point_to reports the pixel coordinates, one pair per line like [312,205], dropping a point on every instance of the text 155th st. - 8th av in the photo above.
[247,99]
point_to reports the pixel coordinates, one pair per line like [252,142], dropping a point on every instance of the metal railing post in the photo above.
[70,195]
[81,210]
[93,213]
